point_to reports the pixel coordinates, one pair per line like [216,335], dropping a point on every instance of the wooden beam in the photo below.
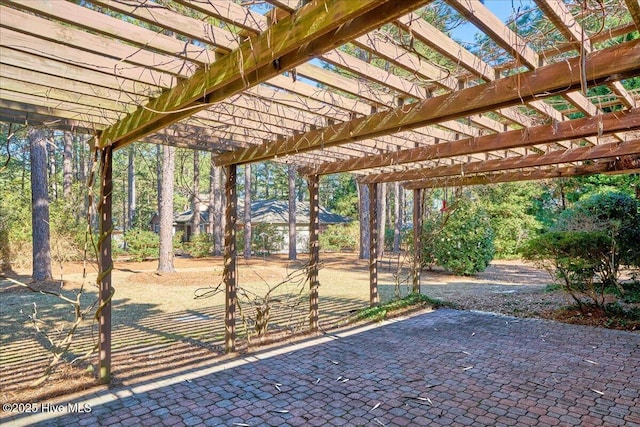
[22,117]
[230,254]
[25,103]
[79,16]
[417,239]
[105,290]
[574,129]
[560,15]
[100,80]
[509,40]
[435,39]
[623,94]
[616,62]
[478,14]
[314,249]
[310,31]
[579,154]
[374,299]
[38,48]
[634,10]
[629,164]
[160,16]
[230,12]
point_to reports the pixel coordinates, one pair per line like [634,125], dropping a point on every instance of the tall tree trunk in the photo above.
[266,181]
[382,217]
[51,151]
[67,165]
[215,207]
[363,207]
[165,263]
[398,215]
[195,223]
[293,253]
[247,211]
[131,188]
[212,199]
[159,151]
[81,169]
[40,205]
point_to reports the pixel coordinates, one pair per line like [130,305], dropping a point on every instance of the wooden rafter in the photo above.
[310,31]
[574,129]
[634,10]
[625,165]
[580,154]
[617,61]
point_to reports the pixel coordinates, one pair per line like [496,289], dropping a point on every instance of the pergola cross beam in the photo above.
[579,154]
[629,164]
[310,31]
[609,64]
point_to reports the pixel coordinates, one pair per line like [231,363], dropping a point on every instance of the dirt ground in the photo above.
[164,322]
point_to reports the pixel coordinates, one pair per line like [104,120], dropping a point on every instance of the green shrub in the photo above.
[591,241]
[340,237]
[572,257]
[142,244]
[615,219]
[200,246]
[461,241]
[265,239]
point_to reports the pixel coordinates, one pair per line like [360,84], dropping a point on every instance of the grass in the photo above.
[412,301]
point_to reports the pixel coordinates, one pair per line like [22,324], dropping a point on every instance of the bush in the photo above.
[572,258]
[142,244]
[461,241]
[200,246]
[590,241]
[265,239]
[616,216]
[340,237]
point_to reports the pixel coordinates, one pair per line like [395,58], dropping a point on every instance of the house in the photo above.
[274,212]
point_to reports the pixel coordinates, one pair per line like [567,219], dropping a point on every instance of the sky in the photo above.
[503,9]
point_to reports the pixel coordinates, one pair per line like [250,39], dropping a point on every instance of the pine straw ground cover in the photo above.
[158,325]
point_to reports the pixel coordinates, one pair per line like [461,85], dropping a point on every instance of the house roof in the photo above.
[269,212]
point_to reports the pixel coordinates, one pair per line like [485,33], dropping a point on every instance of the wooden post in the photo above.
[230,254]
[373,245]
[314,249]
[417,239]
[106,265]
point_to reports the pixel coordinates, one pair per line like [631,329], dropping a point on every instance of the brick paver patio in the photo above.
[447,367]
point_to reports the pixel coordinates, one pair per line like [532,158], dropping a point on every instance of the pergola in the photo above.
[362,86]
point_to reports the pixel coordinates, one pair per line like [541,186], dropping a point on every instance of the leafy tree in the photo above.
[460,240]
[510,210]
[339,194]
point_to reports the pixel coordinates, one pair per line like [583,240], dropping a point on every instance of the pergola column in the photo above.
[105,290]
[374,298]
[417,239]
[230,255]
[314,249]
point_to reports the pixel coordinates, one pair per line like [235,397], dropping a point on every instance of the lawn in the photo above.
[169,321]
